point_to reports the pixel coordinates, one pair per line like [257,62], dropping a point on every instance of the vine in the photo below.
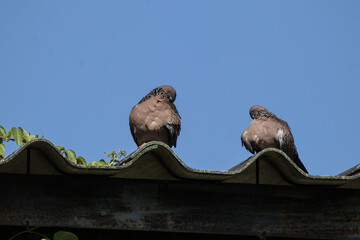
[20,136]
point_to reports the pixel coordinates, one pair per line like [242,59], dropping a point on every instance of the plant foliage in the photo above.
[21,136]
[17,135]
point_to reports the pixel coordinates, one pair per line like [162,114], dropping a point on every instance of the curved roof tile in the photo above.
[157,161]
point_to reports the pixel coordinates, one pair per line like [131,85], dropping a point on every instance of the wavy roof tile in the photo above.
[157,161]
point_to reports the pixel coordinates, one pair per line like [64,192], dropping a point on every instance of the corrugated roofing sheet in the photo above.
[157,161]
[153,190]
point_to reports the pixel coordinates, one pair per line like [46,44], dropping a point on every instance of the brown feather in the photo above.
[267,130]
[155,117]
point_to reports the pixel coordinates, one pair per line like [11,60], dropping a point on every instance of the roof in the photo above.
[156,161]
[154,193]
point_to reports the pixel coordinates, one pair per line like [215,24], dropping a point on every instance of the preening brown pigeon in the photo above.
[155,118]
[267,130]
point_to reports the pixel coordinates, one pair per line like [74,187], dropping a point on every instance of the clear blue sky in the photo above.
[72,70]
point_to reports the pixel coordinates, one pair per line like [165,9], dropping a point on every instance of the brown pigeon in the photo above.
[155,118]
[267,130]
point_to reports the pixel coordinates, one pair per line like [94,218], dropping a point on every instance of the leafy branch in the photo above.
[70,154]
[17,135]
[21,136]
[115,156]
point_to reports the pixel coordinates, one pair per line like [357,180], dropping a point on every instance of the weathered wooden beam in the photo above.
[99,202]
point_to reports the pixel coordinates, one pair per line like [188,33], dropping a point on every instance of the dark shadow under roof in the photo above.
[156,161]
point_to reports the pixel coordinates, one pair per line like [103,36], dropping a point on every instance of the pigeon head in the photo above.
[169,92]
[259,111]
[165,90]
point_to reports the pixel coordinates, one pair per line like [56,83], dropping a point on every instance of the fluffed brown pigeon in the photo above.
[267,130]
[155,118]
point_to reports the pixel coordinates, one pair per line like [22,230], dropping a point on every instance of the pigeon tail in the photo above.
[298,162]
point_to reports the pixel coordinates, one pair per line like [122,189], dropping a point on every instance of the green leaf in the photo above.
[61,148]
[80,160]
[17,135]
[8,134]
[71,155]
[93,163]
[26,135]
[63,235]
[98,163]
[102,162]
[2,131]
[2,149]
